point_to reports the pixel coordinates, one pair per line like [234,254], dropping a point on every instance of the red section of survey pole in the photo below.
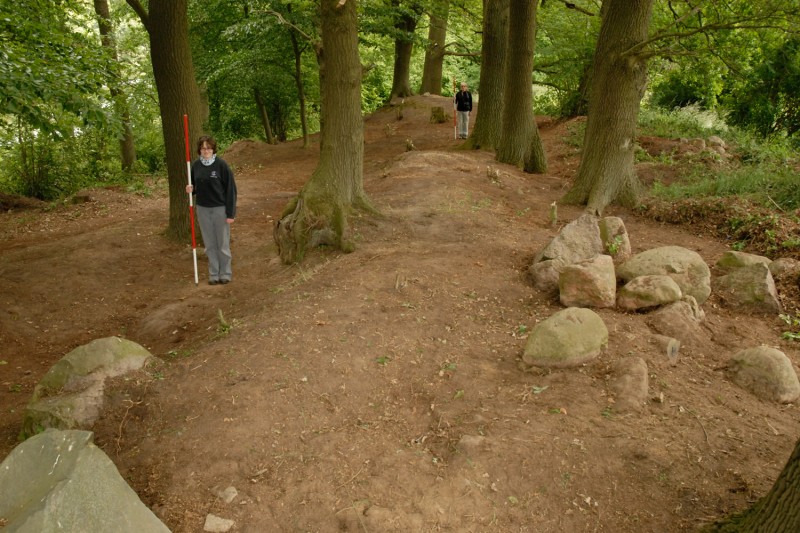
[191,203]
[455,110]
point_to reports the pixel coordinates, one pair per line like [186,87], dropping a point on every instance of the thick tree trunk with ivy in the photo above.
[519,139]
[777,512]
[318,216]
[489,119]
[434,53]
[403,46]
[262,112]
[168,29]
[606,173]
[127,147]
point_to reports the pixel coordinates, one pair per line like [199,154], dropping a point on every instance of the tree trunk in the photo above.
[434,53]
[606,172]
[403,46]
[489,119]
[168,29]
[519,139]
[318,216]
[298,80]
[777,512]
[127,147]
[578,102]
[262,112]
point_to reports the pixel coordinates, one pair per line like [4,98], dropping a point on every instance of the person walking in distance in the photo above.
[463,108]
[215,190]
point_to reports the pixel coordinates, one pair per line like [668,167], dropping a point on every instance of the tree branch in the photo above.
[577,8]
[139,9]
[285,22]
[661,36]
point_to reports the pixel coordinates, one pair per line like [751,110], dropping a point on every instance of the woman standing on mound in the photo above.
[215,190]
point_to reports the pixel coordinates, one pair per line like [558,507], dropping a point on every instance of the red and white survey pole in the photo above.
[191,203]
[455,110]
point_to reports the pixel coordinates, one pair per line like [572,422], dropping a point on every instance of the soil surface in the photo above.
[382,390]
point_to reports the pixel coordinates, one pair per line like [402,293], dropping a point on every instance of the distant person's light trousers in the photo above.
[463,124]
[217,239]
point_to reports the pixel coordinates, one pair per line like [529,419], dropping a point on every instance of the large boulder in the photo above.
[750,288]
[684,266]
[589,283]
[784,266]
[731,260]
[766,372]
[680,320]
[61,481]
[568,338]
[545,274]
[70,395]
[577,241]
[648,291]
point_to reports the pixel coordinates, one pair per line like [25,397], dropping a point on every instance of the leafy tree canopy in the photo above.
[50,63]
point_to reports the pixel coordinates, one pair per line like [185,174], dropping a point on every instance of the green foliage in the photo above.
[694,86]
[60,133]
[793,323]
[768,101]
[564,48]
[682,122]
[764,170]
[238,49]
[49,65]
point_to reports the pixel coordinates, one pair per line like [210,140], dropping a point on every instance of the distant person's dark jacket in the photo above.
[463,101]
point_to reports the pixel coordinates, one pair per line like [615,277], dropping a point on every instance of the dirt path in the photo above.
[380,390]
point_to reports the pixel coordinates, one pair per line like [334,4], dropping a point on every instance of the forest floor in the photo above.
[382,390]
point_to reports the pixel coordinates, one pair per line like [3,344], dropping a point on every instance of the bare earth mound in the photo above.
[381,390]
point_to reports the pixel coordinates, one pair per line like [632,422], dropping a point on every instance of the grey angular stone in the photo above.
[784,266]
[61,481]
[578,241]
[648,291]
[545,274]
[750,288]
[680,320]
[588,284]
[216,524]
[731,260]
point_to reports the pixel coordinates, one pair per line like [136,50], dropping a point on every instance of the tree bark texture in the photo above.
[777,512]
[489,118]
[434,53]
[318,216]
[519,136]
[403,46]
[606,173]
[262,112]
[127,147]
[168,29]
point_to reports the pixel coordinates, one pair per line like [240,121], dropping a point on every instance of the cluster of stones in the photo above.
[589,265]
[57,479]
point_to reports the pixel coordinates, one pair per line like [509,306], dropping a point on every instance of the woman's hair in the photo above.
[206,139]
